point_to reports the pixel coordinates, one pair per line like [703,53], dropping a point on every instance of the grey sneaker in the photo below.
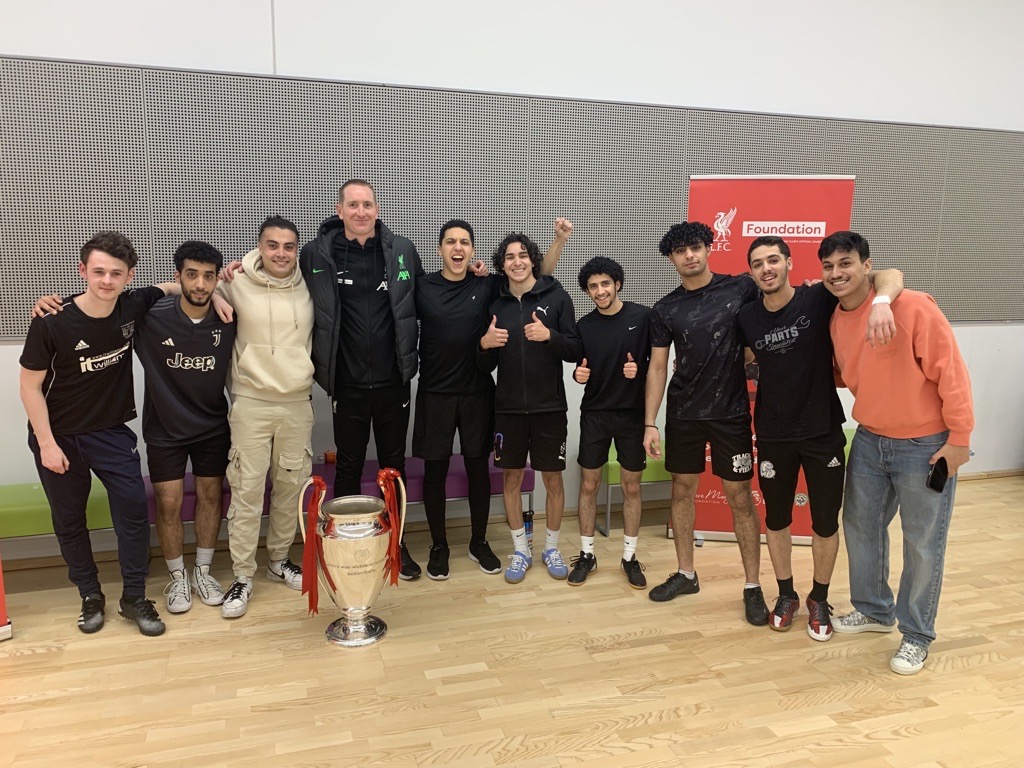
[178,592]
[207,588]
[236,599]
[909,659]
[143,613]
[855,622]
[286,572]
[91,618]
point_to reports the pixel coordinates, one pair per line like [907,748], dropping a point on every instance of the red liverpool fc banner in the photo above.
[800,209]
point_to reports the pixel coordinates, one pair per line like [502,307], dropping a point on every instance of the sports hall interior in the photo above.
[197,120]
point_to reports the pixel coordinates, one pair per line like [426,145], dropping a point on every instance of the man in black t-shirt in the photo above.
[453,394]
[77,389]
[185,350]
[798,419]
[707,403]
[616,349]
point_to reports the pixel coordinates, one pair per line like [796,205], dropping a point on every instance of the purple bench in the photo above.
[456,488]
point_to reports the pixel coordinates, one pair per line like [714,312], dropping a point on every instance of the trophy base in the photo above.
[344,633]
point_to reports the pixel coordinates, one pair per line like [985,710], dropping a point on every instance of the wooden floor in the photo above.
[475,672]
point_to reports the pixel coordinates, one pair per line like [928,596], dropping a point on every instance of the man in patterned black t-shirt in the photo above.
[707,402]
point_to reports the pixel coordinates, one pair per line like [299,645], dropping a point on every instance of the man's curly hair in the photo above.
[531,248]
[684,235]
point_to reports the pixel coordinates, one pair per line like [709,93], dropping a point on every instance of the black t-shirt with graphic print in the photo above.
[708,382]
[88,363]
[796,391]
[453,316]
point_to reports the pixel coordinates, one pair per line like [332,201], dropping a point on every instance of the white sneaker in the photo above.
[909,659]
[287,572]
[236,599]
[207,588]
[178,592]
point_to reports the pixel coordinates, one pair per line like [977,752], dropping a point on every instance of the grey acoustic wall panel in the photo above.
[227,151]
[166,156]
[438,155]
[73,160]
[979,269]
[897,202]
[619,172]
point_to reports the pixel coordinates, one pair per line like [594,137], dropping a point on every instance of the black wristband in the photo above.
[652,426]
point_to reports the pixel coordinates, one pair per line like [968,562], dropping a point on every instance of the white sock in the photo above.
[587,544]
[628,547]
[550,539]
[688,574]
[204,556]
[519,541]
[177,564]
[748,585]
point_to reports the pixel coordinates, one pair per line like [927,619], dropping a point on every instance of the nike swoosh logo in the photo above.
[405,404]
[633,327]
[318,271]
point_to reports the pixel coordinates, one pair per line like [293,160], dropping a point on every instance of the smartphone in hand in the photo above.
[938,475]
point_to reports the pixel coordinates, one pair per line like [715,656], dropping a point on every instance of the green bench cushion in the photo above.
[24,510]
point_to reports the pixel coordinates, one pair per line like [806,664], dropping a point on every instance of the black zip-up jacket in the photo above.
[402,262]
[530,372]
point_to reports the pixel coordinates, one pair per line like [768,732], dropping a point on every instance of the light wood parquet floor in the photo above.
[478,673]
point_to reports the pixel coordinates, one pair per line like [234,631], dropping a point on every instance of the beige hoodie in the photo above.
[271,359]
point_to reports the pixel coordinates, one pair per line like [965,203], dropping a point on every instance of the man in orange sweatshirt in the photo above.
[915,415]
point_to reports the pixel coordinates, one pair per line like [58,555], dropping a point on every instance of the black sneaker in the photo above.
[437,565]
[410,568]
[480,552]
[755,607]
[583,565]
[91,618]
[675,585]
[634,569]
[143,613]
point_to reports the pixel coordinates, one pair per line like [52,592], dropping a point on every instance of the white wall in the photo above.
[926,61]
[920,61]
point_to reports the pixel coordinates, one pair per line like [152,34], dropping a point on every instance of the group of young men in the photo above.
[355,312]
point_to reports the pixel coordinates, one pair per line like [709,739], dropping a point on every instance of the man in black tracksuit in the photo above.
[361,277]
[532,330]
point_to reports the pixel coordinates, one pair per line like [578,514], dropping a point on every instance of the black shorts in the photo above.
[824,463]
[541,435]
[732,447]
[599,428]
[209,459]
[438,416]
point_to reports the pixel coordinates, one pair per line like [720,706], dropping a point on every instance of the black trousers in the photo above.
[355,409]
[113,455]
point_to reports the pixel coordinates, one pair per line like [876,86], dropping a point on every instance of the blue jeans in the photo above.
[884,473]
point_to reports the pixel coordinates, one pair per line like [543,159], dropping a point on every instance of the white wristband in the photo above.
[881,300]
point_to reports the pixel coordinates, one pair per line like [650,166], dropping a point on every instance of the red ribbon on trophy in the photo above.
[386,478]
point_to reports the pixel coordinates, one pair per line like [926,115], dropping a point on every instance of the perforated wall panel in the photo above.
[166,156]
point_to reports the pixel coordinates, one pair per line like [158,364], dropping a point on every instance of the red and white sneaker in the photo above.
[819,623]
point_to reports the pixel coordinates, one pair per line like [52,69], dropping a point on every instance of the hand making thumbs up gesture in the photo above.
[495,336]
[537,331]
[629,369]
[582,372]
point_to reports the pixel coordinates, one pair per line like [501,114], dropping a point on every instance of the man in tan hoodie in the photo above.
[271,415]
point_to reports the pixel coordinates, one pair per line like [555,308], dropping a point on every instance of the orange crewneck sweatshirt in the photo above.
[915,385]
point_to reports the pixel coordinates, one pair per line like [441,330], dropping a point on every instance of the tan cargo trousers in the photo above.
[266,436]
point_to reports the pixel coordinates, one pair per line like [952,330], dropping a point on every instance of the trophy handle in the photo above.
[402,515]
[386,478]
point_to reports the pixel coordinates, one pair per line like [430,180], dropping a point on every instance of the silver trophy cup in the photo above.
[356,550]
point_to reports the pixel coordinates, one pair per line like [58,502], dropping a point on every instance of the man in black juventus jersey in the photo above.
[185,350]
[77,389]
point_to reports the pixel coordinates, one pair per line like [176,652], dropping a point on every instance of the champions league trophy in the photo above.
[352,547]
